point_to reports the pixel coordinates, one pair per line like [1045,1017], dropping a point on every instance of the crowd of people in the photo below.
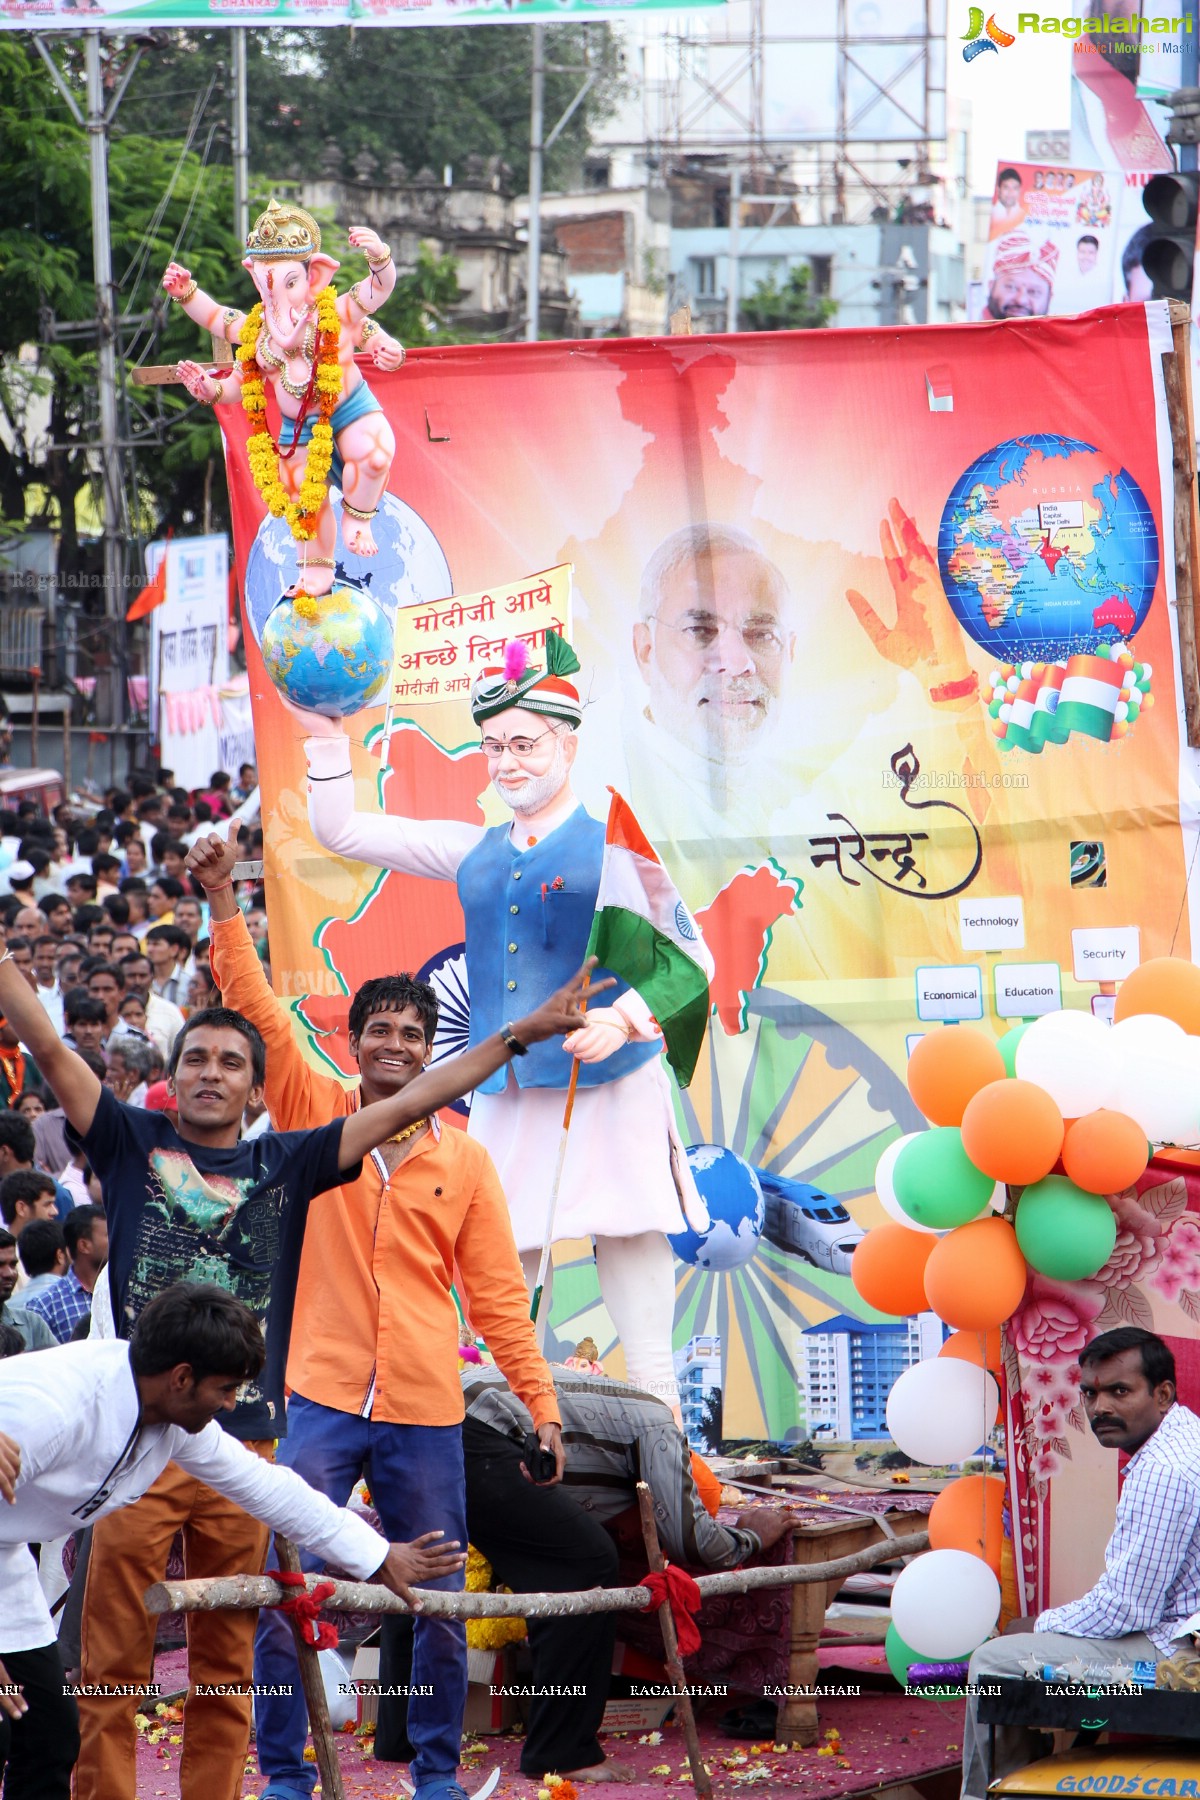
[166,1142]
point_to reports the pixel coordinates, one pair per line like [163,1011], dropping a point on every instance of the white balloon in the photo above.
[1071,1056]
[1146,1034]
[1158,1078]
[945,1603]
[941,1410]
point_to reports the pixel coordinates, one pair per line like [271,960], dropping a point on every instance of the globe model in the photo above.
[1047,550]
[330,654]
[410,569]
[729,1188]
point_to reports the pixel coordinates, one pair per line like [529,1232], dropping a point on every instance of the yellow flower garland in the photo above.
[488,1634]
[263,451]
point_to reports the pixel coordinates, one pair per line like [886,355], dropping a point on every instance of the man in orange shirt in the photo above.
[373,1366]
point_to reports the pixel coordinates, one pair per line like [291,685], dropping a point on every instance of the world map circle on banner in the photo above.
[1046,551]
[410,570]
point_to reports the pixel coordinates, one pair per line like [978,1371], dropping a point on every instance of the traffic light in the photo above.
[1172,202]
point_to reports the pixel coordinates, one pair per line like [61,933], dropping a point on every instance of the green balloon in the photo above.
[1007,1046]
[1063,1232]
[936,1183]
[900,1655]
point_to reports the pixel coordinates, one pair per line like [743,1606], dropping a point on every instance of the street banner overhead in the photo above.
[63,15]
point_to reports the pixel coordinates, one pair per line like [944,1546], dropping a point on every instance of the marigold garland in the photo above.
[263,451]
[488,1634]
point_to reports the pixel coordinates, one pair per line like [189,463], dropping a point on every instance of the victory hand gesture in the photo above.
[926,636]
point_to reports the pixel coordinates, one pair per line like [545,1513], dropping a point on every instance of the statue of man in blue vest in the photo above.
[528,893]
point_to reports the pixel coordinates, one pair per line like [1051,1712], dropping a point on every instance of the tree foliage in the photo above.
[711,1420]
[429,97]
[790,306]
[171,197]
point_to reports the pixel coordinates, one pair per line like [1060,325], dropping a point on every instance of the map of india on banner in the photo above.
[891,689]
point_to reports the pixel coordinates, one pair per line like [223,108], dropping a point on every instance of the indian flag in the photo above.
[645,934]
[1090,692]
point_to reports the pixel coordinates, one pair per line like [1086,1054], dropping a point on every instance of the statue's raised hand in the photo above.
[386,352]
[198,382]
[176,280]
[369,242]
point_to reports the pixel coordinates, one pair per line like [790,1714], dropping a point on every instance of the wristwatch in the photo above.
[511,1042]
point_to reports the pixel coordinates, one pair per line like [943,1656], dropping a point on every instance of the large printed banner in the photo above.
[907,736]
[1062,240]
[64,15]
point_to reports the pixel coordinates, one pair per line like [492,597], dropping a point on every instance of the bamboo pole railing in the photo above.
[240,1592]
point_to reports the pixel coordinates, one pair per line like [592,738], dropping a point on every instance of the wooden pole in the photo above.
[666,1620]
[313,1685]
[239,1592]
[1177,374]
[541,1320]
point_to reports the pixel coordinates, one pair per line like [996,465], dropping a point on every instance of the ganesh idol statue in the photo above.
[299,340]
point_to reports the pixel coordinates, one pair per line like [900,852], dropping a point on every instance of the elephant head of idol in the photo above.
[283,255]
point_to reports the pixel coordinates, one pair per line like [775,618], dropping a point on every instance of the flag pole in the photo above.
[541,1320]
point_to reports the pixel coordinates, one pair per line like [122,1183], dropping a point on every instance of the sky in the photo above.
[1023,88]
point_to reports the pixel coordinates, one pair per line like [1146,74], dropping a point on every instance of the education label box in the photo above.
[992,924]
[1105,953]
[949,993]
[1026,990]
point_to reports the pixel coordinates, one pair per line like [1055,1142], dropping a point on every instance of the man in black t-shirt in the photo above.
[194,1203]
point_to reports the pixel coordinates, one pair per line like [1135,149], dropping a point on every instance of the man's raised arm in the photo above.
[75,1087]
[292,1083]
[447,1081]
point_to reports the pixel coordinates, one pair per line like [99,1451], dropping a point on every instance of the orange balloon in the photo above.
[1013,1131]
[975,1275]
[1168,985]
[947,1067]
[966,1516]
[1104,1152]
[983,1348]
[888,1266]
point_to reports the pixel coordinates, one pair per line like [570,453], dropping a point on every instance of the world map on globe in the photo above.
[331,654]
[1046,551]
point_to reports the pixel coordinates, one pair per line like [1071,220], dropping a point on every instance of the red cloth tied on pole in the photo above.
[677,1587]
[304,1608]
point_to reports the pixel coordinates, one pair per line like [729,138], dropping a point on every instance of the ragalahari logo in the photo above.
[980,37]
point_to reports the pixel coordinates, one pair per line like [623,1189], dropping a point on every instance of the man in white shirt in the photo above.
[164,1021]
[87,1428]
[45,974]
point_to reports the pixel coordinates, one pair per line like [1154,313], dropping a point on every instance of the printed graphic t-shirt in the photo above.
[179,1211]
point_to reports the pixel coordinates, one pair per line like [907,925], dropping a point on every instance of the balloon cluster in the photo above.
[1063,1110]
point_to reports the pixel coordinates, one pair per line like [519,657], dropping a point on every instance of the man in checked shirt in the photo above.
[1139,1609]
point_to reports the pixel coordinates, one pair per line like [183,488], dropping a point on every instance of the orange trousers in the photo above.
[129,1553]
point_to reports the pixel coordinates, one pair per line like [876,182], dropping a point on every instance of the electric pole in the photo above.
[533,280]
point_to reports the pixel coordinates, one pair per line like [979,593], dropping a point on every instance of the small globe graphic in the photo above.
[729,1188]
[330,654]
[1047,550]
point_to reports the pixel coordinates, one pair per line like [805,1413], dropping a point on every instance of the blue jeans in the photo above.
[415,1474]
